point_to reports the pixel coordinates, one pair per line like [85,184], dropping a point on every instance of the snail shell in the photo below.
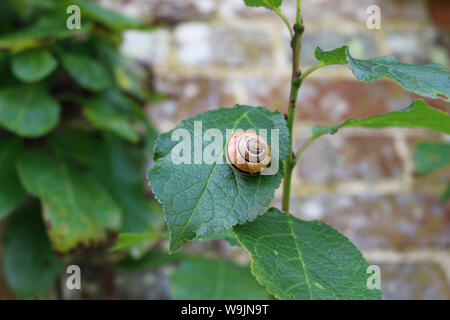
[247,152]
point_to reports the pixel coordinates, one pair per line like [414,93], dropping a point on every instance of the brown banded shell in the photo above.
[247,152]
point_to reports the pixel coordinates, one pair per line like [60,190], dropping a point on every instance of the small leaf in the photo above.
[295,259]
[11,191]
[263,3]
[200,198]
[213,279]
[430,156]
[77,209]
[336,56]
[85,70]
[33,65]
[151,260]
[28,111]
[432,80]
[445,196]
[30,265]
[106,115]
[126,240]
[418,114]
[46,30]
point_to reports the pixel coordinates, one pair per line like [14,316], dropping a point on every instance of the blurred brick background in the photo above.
[214,53]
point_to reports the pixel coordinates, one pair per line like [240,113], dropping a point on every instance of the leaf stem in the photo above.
[285,20]
[305,145]
[311,70]
[296,82]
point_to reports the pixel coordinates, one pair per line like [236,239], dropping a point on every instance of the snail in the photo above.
[247,152]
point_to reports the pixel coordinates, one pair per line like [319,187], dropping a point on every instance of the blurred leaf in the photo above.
[77,209]
[119,167]
[127,240]
[110,116]
[11,192]
[33,65]
[429,156]
[296,259]
[336,56]
[28,110]
[30,265]
[129,75]
[432,80]
[46,30]
[202,199]
[107,17]
[85,70]
[151,260]
[213,279]
[445,196]
[263,3]
[418,114]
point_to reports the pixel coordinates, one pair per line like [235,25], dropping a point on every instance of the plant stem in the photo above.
[296,82]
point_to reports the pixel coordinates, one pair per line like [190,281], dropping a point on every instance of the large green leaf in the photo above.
[33,65]
[78,211]
[30,265]
[11,191]
[430,156]
[107,114]
[270,4]
[418,114]
[214,279]
[28,111]
[432,80]
[85,70]
[295,259]
[118,166]
[202,198]
[46,30]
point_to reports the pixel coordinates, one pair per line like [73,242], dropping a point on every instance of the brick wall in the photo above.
[214,53]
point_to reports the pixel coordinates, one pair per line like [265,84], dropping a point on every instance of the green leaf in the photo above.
[78,211]
[295,259]
[336,56]
[151,260]
[33,65]
[430,156]
[263,3]
[418,114]
[89,73]
[118,166]
[107,115]
[201,198]
[445,196]
[213,279]
[28,111]
[30,265]
[126,240]
[11,191]
[46,30]
[432,80]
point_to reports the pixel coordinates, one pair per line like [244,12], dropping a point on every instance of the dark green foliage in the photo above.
[69,109]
